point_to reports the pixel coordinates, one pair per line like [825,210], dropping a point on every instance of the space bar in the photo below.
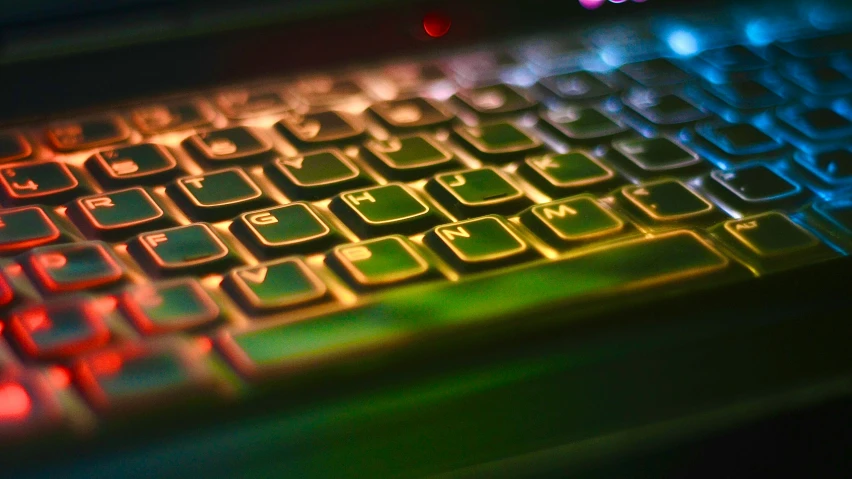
[408,313]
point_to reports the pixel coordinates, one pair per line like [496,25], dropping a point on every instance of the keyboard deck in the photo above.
[192,248]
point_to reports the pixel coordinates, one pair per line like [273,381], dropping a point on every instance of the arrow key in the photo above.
[281,284]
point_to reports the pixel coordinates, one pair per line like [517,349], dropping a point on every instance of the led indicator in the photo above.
[436,25]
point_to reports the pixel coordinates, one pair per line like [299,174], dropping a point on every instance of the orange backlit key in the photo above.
[46,182]
[73,267]
[13,147]
[87,133]
[59,329]
[7,294]
[25,228]
[170,306]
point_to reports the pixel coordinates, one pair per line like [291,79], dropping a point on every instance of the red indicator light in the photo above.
[436,25]
[14,402]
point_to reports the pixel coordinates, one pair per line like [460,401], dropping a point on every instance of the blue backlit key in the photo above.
[745,95]
[191,248]
[119,214]
[47,182]
[87,133]
[280,284]
[317,175]
[26,227]
[59,329]
[755,187]
[235,144]
[818,79]
[738,141]
[669,202]
[657,72]
[217,195]
[73,267]
[822,124]
[176,305]
[733,61]
[833,166]
[145,163]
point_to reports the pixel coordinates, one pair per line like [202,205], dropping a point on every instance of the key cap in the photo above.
[587,125]
[657,72]
[818,79]
[669,201]
[145,163]
[217,195]
[479,244]
[408,157]
[321,129]
[410,113]
[745,95]
[316,176]
[740,141]
[281,284]
[177,305]
[327,90]
[14,147]
[172,116]
[570,221]
[429,310]
[647,156]
[59,329]
[411,76]
[755,187]
[73,267]
[498,142]
[482,66]
[471,193]
[28,406]
[733,59]
[379,262]
[815,47]
[292,228]
[837,215]
[7,295]
[46,182]
[817,123]
[771,241]
[662,109]
[235,144]
[87,133]
[382,210]
[25,228]
[577,86]
[134,377]
[118,215]
[560,175]
[244,103]
[495,100]
[192,248]
[833,166]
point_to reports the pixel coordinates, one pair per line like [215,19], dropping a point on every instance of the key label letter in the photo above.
[459,232]
[748,225]
[559,212]
[357,199]
[546,163]
[198,182]
[155,239]
[53,260]
[262,219]
[100,202]
[459,181]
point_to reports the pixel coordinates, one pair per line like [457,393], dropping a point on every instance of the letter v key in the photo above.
[257,275]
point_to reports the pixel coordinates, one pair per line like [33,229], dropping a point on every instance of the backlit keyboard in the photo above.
[189,250]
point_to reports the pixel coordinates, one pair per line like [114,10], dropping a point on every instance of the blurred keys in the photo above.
[28,406]
[145,163]
[172,116]
[669,202]
[13,147]
[577,86]
[568,173]
[662,109]
[316,176]
[409,157]
[587,125]
[657,72]
[7,295]
[59,329]
[47,182]
[652,156]
[217,195]
[178,305]
[379,262]
[567,222]
[280,284]
[815,47]
[820,124]
[73,267]
[478,244]
[381,210]
[498,142]
[410,113]
[292,228]
[818,79]
[321,129]
[245,103]
[26,227]
[755,187]
[471,193]
[732,62]
[119,214]
[86,133]
[833,166]
[235,144]
[495,100]
[193,248]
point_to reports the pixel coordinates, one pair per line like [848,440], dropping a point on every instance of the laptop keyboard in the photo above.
[189,249]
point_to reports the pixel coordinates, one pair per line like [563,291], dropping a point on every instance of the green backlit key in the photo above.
[572,220]
[408,157]
[217,195]
[583,124]
[652,156]
[426,311]
[378,262]
[26,227]
[292,228]
[497,142]
[478,244]
[564,174]
[316,175]
[176,305]
[475,192]
[668,201]
[280,284]
[382,210]
[73,267]
[191,248]
[119,214]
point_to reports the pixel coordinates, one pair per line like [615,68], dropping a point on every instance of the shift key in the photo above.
[407,315]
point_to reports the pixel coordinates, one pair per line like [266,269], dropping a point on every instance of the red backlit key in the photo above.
[25,228]
[59,329]
[73,267]
[13,147]
[27,406]
[87,133]
[47,182]
[170,306]
[7,294]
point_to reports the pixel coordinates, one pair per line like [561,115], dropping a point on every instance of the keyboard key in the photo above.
[87,133]
[478,244]
[235,144]
[471,193]
[73,267]
[669,201]
[733,59]
[118,215]
[495,100]
[657,72]
[378,262]
[172,116]
[243,103]
[815,47]
[134,377]
[482,66]
[837,215]
[410,113]
[656,155]
[59,329]
[7,295]
[663,109]
[818,79]
[46,182]
[281,284]
[409,157]
[321,129]
[563,174]
[382,210]
[817,123]
[146,163]
[316,176]
[833,166]
[577,86]
[217,195]
[745,95]
[740,141]
[184,249]
[412,76]
[657,261]
[292,228]
[586,125]
[566,222]
[28,406]
[498,142]
[25,228]
[178,305]
[754,188]
[327,90]
[14,147]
